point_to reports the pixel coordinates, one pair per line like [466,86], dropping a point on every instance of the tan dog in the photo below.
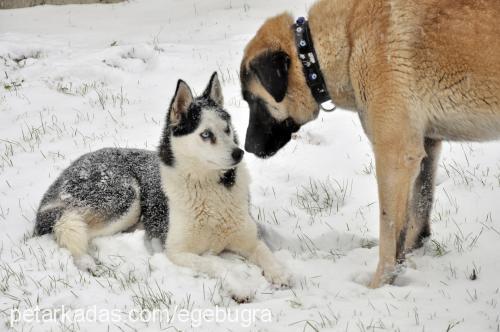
[416,71]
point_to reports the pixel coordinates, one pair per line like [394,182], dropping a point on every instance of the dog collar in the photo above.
[310,65]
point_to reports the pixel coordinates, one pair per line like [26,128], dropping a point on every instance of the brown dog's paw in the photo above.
[376,282]
[385,275]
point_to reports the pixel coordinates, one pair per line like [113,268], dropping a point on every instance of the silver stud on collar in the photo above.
[328,106]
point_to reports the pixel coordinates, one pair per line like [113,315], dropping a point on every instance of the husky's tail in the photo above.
[68,226]
[71,232]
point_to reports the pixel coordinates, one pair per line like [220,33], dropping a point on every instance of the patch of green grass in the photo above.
[322,197]
[13,85]
[439,249]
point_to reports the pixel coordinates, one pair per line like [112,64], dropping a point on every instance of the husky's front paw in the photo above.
[242,298]
[238,290]
[85,263]
[279,277]
[240,294]
[88,264]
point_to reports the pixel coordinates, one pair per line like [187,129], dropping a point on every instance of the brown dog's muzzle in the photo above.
[265,135]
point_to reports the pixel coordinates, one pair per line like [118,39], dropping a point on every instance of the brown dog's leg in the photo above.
[398,154]
[419,226]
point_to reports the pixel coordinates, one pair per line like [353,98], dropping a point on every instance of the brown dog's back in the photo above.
[458,54]
[443,56]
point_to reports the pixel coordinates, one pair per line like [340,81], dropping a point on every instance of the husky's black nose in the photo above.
[237,155]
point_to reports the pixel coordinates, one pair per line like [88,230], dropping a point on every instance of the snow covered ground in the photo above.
[78,78]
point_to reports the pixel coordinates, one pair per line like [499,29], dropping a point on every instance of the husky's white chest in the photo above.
[204,215]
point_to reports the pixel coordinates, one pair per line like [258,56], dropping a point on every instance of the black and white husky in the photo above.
[192,196]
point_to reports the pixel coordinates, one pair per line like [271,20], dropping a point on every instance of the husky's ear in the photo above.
[214,90]
[272,70]
[180,103]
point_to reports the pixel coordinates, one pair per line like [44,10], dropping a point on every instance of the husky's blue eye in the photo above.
[206,134]
[227,130]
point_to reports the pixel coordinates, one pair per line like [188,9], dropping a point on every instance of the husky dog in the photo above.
[191,196]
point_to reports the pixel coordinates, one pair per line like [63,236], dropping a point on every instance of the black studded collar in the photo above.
[310,65]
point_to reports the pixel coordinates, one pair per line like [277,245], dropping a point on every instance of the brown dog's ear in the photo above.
[272,70]
[180,103]
[214,90]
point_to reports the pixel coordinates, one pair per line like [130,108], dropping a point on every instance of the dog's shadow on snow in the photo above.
[329,243]
[126,252]
[332,243]
[126,255]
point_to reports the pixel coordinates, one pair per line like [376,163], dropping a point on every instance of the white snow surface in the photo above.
[78,78]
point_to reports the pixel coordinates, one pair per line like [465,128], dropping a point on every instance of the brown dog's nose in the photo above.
[237,155]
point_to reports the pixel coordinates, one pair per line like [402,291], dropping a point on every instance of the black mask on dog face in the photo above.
[266,135]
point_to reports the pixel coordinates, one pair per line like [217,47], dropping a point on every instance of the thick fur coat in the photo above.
[417,72]
[192,196]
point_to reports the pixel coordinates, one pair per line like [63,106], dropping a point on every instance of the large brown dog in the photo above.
[417,72]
